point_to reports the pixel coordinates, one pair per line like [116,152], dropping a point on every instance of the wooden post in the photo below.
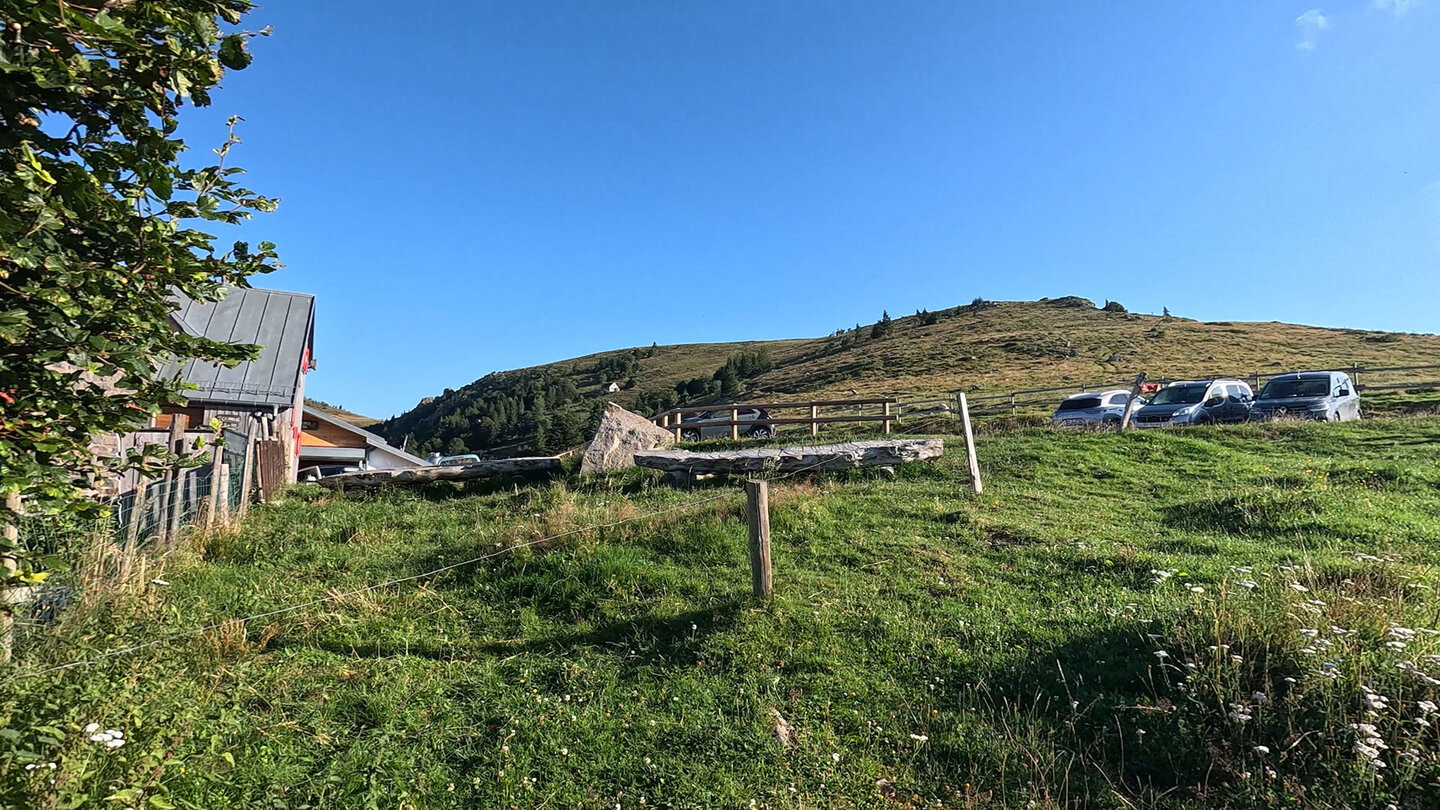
[814,415]
[970,447]
[757,512]
[170,490]
[222,486]
[137,512]
[885,411]
[7,568]
[247,475]
[1012,405]
[217,460]
[734,428]
[1130,403]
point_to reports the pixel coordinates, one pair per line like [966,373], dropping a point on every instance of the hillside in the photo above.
[979,347]
[343,415]
[1178,619]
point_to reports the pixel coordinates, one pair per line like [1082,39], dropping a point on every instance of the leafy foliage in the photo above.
[97,223]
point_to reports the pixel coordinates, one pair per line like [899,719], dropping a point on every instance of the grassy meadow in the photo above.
[1214,617]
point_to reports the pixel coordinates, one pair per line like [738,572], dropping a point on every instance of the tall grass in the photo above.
[1211,617]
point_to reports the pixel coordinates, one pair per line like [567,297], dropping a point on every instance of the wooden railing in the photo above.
[673,419]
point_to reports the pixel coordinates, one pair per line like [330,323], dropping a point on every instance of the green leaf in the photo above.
[233,54]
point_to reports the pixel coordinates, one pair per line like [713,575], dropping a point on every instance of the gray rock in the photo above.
[621,435]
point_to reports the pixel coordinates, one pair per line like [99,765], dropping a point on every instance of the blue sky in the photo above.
[473,186]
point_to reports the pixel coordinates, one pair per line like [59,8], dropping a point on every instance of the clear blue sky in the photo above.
[472,186]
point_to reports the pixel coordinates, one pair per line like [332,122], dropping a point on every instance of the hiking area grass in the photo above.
[1212,617]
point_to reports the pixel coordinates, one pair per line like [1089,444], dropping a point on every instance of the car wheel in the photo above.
[760,432]
[690,435]
[1111,421]
[1203,419]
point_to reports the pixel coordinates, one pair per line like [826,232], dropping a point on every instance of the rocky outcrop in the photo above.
[621,435]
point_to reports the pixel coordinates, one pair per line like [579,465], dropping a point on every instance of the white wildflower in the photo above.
[1261,750]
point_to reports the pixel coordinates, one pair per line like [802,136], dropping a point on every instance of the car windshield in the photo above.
[1180,394]
[1080,404]
[1296,387]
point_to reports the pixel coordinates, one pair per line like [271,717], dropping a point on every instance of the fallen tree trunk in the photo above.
[374,479]
[848,456]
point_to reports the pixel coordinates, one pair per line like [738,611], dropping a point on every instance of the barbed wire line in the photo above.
[366,589]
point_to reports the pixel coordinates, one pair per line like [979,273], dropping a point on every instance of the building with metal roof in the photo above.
[281,323]
[326,442]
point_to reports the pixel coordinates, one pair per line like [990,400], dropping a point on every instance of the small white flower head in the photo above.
[114,743]
[1289,679]
[1308,633]
[1248,584]
[1261,750]
[835,756]
[92,728]
[1196,589]
[1161,654]
[1298,588]
[920,737]
[1260,697]
[1395,645]
[1426,706]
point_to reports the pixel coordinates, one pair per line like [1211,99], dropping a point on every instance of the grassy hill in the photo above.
[343,415]
[1197,618]
[981,347]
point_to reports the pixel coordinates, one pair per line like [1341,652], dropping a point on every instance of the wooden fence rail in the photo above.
[673,419]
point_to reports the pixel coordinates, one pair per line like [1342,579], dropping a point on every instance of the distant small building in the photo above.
[326,440]
[612,388]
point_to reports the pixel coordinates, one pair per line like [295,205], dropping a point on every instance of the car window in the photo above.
[1235,391]
[1179,394]
[1119,399]
[1079,403]
[1296,387]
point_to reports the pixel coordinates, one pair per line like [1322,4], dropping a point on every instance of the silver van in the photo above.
[1196,402]
[1094,408]
[1323,396]
[716,424]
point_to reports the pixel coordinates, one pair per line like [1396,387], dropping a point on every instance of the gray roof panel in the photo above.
[281,323]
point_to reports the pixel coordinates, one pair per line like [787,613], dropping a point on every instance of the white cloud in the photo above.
[1398,7]
[1311,23]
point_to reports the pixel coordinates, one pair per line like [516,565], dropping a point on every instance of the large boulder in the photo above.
[622,434]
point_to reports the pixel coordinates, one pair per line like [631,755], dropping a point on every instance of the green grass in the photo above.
[924,644]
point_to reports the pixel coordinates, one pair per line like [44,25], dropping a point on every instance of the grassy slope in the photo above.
[340,413]
[1008,346]
[1025,344]
[1017,633]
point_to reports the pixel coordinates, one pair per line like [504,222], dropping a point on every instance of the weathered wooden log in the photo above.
[374,479]
[848,456]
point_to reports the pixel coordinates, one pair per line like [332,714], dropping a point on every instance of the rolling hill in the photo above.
[982,347]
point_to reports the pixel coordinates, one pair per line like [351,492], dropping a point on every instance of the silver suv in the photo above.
[713,424]
[1325,396]
[1094,408]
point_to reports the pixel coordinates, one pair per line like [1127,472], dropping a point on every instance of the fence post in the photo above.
[138,505]
[1355,375]
[247,475]
[1130,403]
[970,446]
[757,512]
[168,495]
[1012,404]
[222,486]
[8,567]
[217,461]
[814,415]
[734,428]
[885,411]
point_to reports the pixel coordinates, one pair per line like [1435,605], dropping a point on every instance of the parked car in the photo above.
[1196,402]
[1093,408]
[1324,396]
[458,461]
[325,471]
[713,424]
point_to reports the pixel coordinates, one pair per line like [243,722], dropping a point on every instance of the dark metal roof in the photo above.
[282,323]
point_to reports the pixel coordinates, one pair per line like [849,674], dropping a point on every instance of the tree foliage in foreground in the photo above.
[98,222]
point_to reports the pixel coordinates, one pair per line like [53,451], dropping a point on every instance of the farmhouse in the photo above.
[270,388]
[325,440]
